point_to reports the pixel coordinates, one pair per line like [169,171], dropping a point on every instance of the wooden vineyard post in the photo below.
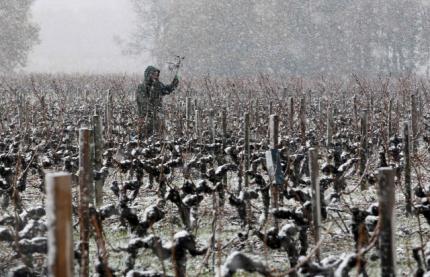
[98,150]
[390,121]
[321,107]
[1,116]
[270,107]
[26,121]
[247,164]
[211,125]
[224,145]
[197,125]
[329,125]
[408,189]
[109,113]
[179,122]
[92,159]
[85,197]
[414,122]
[59,222]
[247,148]
[195,106]
[363,145]
[354,100]
[303,120]
[316,194]
[398,116]
[309,97]
[370,117]
[284,93]
[291,116]
[250,107]
[224,127]
[273,162]
[19,100]
[319,112]
[386,219]
[188,113]
[274,131]
[256,119]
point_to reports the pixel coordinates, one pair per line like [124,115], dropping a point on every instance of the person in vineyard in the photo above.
[149,99]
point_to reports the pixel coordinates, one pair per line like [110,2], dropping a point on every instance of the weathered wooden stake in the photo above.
[179,123]
[387,246]
[98,151]
[85,197]
[224,144]
[414,122]
[92,148]
[390,123]
[320,112]
[59,221]
[247,162]
[250,107]
[354,100]
[188,113]
[309,100]
[284,93]
[195,104]
[273,131]
[316,194]
[247,148]
[408,189]
[398,116]
[257,115]
[1,116]
[273,163]
[224,127]
[370,114]
[197,124]
[363,145]
[329,125]
[211,125]
[291,116]
[109,113]
[303,121]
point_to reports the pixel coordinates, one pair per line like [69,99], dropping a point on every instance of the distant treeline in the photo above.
[286,36]
[18,33]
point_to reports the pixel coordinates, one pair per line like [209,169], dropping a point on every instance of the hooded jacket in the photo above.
[149,93]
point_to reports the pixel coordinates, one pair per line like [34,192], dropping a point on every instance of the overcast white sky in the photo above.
[77,36]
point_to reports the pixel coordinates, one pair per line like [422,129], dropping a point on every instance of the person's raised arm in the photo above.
[167,89]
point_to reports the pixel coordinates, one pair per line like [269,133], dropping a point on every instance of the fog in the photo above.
[224,38]
[78,36]
[293,37]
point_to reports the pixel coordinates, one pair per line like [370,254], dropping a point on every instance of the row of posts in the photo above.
[386,192]
[60,233]
[59,206]
[59,184]
[364,121]
[386,196]
[197,120]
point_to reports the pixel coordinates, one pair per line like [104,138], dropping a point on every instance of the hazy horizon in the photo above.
[78,37]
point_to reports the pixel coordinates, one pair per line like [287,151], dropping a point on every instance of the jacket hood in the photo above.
[148,72]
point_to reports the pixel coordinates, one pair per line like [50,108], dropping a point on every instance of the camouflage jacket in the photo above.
[149,95]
